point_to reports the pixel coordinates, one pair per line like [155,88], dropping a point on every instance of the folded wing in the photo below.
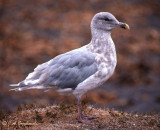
[62,72]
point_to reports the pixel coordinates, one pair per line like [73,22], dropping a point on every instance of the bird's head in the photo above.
[105,21]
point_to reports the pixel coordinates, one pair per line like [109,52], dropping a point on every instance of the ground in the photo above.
[33,32]
[65,117]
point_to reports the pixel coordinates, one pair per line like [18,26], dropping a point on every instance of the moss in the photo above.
[51,115]
[2,115]
[158,125]
[66,109]
[113,114]
[38,117]
[19,108]
[64,117]
[152,122]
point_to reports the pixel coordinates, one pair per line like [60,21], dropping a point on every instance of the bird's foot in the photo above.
[89,117]
[88,122]
[83,119]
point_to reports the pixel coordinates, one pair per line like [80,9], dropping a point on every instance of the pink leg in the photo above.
[80,116]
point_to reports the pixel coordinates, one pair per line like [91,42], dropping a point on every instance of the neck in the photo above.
[101,36]
[100,42]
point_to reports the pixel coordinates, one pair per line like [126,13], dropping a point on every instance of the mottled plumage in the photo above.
[81,69]
[64,71]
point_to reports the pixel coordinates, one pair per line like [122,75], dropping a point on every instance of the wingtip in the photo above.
[15,89]
[14,85]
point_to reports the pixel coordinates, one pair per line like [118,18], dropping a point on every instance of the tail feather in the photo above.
[14,85]
[15,89]
[21,88]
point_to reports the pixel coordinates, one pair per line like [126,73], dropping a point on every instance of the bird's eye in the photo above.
[107,19]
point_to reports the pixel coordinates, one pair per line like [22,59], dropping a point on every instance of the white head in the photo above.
[105,21]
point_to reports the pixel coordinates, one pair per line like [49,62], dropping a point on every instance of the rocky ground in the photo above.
[65,117]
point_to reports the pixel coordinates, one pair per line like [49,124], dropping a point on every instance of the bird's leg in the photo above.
[80,116]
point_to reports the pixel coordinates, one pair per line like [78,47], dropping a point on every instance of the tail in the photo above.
[18,88]
[14,85]
[21,88]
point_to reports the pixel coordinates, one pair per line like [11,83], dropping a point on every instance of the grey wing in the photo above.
[64,71]
[69,70]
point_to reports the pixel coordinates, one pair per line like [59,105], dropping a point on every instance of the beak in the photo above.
[124,25]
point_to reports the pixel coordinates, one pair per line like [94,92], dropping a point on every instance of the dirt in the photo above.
[65,117]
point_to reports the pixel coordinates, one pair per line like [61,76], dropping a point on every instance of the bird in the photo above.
[79,70]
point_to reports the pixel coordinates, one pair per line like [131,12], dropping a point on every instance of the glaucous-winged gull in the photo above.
[81,69]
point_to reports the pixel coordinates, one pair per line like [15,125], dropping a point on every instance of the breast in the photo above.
[106,65]
[110,54]
[112,60]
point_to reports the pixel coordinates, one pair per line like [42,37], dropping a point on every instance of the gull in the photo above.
[80,70]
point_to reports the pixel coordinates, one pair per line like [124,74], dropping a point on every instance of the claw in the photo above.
[89,117]
[85,121]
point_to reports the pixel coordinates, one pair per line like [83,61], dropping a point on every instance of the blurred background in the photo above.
[33,32]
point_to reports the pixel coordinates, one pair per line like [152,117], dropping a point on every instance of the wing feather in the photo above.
[64,71]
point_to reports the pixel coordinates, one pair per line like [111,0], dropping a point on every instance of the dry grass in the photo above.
[64,117]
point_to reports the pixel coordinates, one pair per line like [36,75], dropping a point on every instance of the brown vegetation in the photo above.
[64,117]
